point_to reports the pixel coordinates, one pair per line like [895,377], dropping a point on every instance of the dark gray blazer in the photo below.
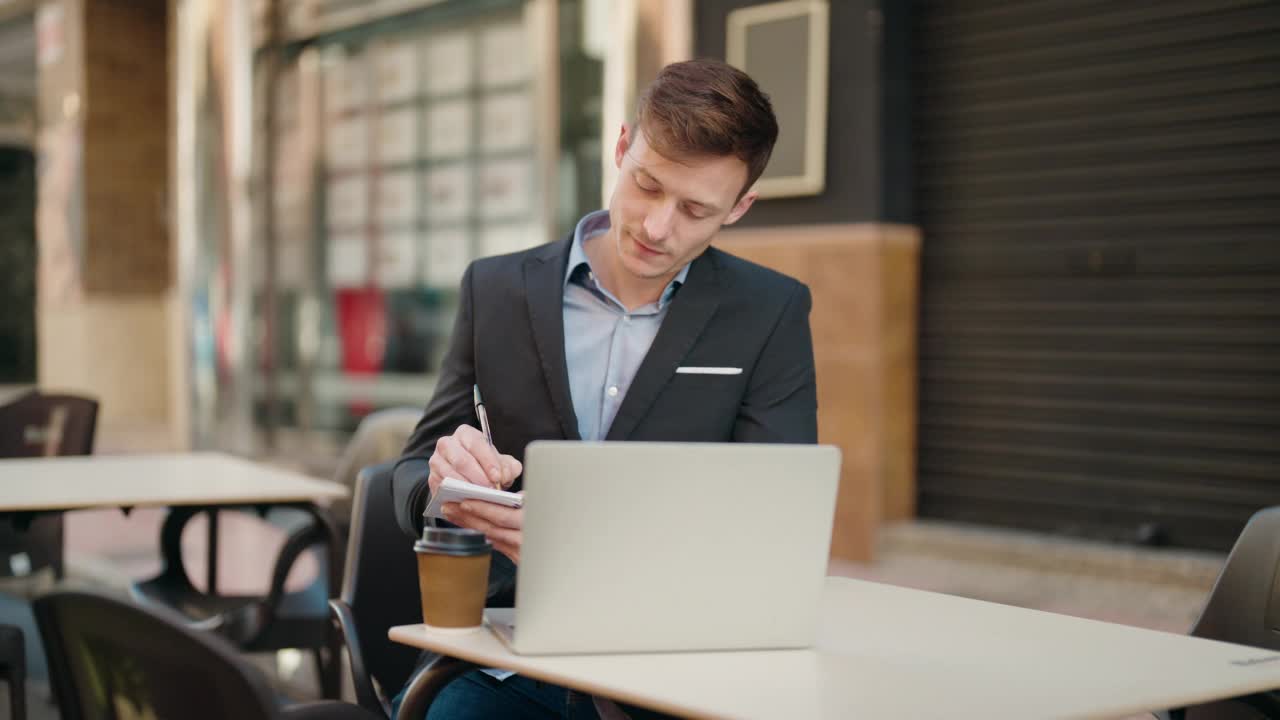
[509,339]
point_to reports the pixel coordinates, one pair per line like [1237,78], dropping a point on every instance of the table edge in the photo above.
[412,635]
[409,632]
[176,502]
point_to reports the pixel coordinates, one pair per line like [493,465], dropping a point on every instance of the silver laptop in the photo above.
[656,547]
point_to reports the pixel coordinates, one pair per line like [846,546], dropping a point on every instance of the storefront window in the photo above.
[406,146]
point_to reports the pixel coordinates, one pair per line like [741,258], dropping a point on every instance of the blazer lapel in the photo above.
[544,290]
[689,313]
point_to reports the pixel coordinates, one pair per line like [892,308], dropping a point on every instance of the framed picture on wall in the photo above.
[397,137]
[348,260]
[506,121]
[784,46]
[447,193]
[448,67]
[505,53]
[347,202]
[346,85]
[447,253]
[396,71]
[346,143]
[397,197]
[507,238]
[396,259]
[506,188]
[448,129]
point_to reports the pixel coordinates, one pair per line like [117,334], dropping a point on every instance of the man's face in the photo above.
[665,211]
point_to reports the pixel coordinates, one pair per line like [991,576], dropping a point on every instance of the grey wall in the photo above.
[856,152]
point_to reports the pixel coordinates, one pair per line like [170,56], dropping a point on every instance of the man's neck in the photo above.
[631,291]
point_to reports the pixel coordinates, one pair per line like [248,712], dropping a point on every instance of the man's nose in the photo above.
[659,221]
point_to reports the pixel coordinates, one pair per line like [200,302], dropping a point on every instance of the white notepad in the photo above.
[454,490]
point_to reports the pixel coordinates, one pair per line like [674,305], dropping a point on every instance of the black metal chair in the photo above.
[256,623]
[111,658]
[36,425]
[1244,608]
[40,425]
[13,669]
[281,620]
[380,590]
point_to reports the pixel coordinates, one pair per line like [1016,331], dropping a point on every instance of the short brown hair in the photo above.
[708,107]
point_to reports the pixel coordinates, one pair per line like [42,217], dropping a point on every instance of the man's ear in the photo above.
[624,142]
[741,207]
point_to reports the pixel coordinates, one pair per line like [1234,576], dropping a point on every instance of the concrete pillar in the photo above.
[104,269]
[865,286]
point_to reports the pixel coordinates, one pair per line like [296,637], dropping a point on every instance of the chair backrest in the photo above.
[1244,606]
[40,425]
[379,437]
[109,659]
[381,579]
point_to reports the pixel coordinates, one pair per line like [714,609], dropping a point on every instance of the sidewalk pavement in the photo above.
[1156,588]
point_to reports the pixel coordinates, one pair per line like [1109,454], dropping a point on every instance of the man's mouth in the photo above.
[645,249]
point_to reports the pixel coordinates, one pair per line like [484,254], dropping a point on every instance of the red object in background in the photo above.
[362,328]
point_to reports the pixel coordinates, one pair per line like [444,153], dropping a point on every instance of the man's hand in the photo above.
[502,525]
[467,455]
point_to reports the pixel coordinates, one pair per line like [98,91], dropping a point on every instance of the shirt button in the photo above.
[613,391]
[626,318]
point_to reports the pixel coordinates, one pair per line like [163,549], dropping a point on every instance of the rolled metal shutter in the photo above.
[1098,185]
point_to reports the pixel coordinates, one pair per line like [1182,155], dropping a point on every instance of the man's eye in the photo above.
[646,185]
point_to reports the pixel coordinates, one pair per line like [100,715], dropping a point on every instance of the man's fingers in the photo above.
[454,513]
[441,469]
[506,540]
[498,515]
[503,536]
[495,526]
[511,551]
[474,442]
[512,469]
[458,514]
[454,460]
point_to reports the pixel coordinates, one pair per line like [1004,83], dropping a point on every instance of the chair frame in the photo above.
[62,677]
[42,531]
[13,669]
[247,624]
[428,679]
[1244,597]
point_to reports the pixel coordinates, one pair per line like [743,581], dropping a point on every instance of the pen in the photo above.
[484,420]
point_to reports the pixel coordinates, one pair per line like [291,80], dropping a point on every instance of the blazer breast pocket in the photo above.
[709,384]
[701,402]
[707,370]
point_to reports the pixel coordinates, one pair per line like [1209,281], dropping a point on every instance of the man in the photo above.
[583,338]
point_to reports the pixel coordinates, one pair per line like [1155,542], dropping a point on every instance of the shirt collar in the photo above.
[591,225]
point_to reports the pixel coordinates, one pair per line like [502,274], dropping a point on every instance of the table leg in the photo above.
[427,684]
[211,569]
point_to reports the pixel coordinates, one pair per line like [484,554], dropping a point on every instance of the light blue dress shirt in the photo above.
[604,343]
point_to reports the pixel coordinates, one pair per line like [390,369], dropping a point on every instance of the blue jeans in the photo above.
[477,696]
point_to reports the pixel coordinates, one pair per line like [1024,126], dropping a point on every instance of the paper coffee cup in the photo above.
[453,575]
